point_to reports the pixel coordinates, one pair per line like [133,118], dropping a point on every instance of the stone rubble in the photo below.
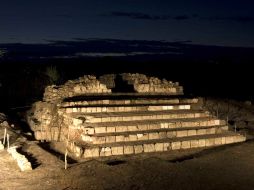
[21,160]
[145,84]
[87,84]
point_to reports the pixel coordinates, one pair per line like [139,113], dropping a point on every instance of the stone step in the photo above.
[124,108]
[137,147]
[129,126]
[80,118]
[151,134]
[137,101]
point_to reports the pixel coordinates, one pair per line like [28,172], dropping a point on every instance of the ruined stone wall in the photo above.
[87,84]
[108,80]
[145,84]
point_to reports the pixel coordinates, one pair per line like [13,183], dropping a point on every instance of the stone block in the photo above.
[105,151]
[149,148]
[171,134]
[153,136]
[128,149]
[111,129]
[89,130]
[162,135]
[133,137]
[223,140]
[121,129]
[185,144]
[132,128]
[158,147]
[209,142]
[138,149]
[201,131]
[183,133]
[119,138]
[117,150]
[99,140]
[201,142]
[175,145]
[93,152]
[110,139]
[210,131]
[217,141]
[192,132]
[166,146]
[194,143]
[100,130]
[142,127]
[229,139]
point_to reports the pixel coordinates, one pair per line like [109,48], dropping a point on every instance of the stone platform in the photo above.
[108,124]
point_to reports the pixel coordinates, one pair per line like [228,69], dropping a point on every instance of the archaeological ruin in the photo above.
[123,114]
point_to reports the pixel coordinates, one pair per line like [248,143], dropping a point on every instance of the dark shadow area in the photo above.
[122,85]
[46,146]
[34,162]
[115,162]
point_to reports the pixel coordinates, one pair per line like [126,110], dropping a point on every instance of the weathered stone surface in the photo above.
[175,145]
[149,148]
[128,149]
[138,149]
[117,150]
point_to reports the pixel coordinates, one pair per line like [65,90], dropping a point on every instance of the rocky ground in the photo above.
[227,167]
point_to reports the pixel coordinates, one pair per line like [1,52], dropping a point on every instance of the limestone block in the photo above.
[210,131]
[153,136]
[194,143]
[132,128]
[201,143]
[89,130]
[182,133]
[100,130]
[110,139]
[175,145]
[138,149]
[105,119]
[192,132]
[162,135]
[154,126]
[209,142]
[171,134]
[149,148]
[229,139]
[159,147]
[133,137]
[99,140]
[201,131]
[86,138]
[121,128]
[223,140]
[111,129]
[105,151]
[128,149]
[217,141]
[117,150]
[119,138]
[166,146]
[185,144]
[239,138]
[142,127]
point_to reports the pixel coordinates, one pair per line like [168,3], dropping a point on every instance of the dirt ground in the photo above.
[225,167]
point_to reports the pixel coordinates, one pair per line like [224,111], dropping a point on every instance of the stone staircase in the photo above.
[122,125]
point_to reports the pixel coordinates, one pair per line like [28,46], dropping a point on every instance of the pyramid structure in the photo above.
[96,117]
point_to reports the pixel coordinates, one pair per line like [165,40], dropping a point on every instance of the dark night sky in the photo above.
[215,22]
